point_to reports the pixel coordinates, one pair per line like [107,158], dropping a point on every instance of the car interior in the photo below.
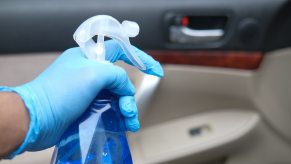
[225,97]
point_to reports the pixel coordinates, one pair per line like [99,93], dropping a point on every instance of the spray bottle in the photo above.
[98,136]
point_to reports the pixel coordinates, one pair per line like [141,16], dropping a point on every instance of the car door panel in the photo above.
[226,68]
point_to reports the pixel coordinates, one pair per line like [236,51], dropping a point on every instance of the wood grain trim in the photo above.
[228,59]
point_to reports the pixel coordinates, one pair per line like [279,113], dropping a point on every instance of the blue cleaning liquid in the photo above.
[97,137]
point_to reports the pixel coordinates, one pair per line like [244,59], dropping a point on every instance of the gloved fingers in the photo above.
[129,110]
[128,106]
[119,82]
[74,53]
[132,123]
[114,52]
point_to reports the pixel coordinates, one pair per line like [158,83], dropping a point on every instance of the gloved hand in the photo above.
[59,95]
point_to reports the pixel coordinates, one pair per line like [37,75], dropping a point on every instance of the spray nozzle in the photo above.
[104,25]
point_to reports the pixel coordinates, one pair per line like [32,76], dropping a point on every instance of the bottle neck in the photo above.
[107,95]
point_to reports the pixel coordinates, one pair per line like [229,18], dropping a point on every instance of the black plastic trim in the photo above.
[35,25]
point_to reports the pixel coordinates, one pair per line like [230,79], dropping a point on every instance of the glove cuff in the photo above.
[34,128]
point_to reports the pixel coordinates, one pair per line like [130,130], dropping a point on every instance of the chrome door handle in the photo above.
[181,34]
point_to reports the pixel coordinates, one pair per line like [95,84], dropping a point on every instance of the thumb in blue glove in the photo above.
[61,94]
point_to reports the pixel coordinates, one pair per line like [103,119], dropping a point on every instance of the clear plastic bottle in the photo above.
[98,136]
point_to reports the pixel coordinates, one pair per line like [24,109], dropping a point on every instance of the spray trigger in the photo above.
[104,25]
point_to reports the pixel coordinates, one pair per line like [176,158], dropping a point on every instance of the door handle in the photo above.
[181,34]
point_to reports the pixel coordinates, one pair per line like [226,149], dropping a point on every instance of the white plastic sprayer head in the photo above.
[104,25]
[130,28]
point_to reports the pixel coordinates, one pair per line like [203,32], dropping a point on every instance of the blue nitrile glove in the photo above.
[59,95]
